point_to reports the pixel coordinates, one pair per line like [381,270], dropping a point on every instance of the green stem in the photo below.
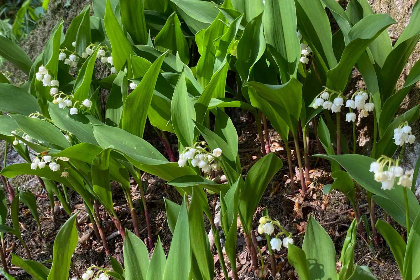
[302,178]
[338,134]
[219,249]
[354,137]
[407,211]
[289,162]
[305,154]
[272,257]
[375,135]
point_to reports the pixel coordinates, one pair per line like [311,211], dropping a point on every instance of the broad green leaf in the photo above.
[78,125]
[29,199]
[198,15]
[115,102]
[132,17]
[83,36]
[183,113]
[99,7]
[180,249]
[172,213]
[64,246]
[41,130]
[171,37]
[297,259]
[140,153]
[288,96]
[256,182]
[280,25]
[137,103]
[16,100]
[347,253]
[33,268]
[250,48]
[214,89]
[84,78]
[357,167]
[199,240]
[100,179]
[361,35]
[394,241]
[136,257]
[157,263]
[13,53]
[320,251]
[224,127]
[52,50]
[314,25]
[7,229]
[362,273]
[197,180]
[156,5]
[116,266]
[249,8]
[412,253]
[73,29]
[6,275]
[121,47]
[14,214]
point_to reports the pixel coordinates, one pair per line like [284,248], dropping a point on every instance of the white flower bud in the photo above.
[133,86]
[113,70]
[62,56]
[64,174]
[339,101]
[73,111]
[275,244]
[39,76]
[68,102]
[104,59]
[335,108]
[110,60]
[268,228]
[55,83]
[15,142]
[84,55]
[217,152]
[304,60]
[73,57]
[53,91]
[73,44]
[287,241]
[101,53]
[87,103]
[325,95]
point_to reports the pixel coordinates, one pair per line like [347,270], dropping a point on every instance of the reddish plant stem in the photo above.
[273,265]
[266,134]
[10,191]
[305,152]
[3,260]
[167,146]
[146,212]
[252,252]
[301,176]
[99,227]
[289,162]
[119,227]
[373,222]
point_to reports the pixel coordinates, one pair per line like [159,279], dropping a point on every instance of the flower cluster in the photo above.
[201,158]
[65,101]
[386,171]
[267,226]
[24,136]
[359,102]
[403,135]
[305,52]
[42,161]
[323,100]
[43,76]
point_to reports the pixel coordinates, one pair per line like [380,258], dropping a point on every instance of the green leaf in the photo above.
[29,199]
[140,153]
[52,50]
[35,269]
[136,257]
[132,17]
[73,30]
[250,48]
[7,229]
[297,259]
[6,275]
[180,249]
[412,254]
[347,253]
[16,100]
[362,273]
[198,15]
[84,78]
[183,113]
[100,179]
[287,96]
[199,240]
[78,125]
[14,213]
[13,53]
[83,36]
[121,47]
[137,103]
[314,25]
[41,130]
[224,127]
[394,241]
[116,266]
[320,251]
[256,182]
[344,183]
[64,245]
[249,8]
[172,212]
[280,25]
[157,263]
[171,37]
[361,35]
[392,201]
[197,180]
